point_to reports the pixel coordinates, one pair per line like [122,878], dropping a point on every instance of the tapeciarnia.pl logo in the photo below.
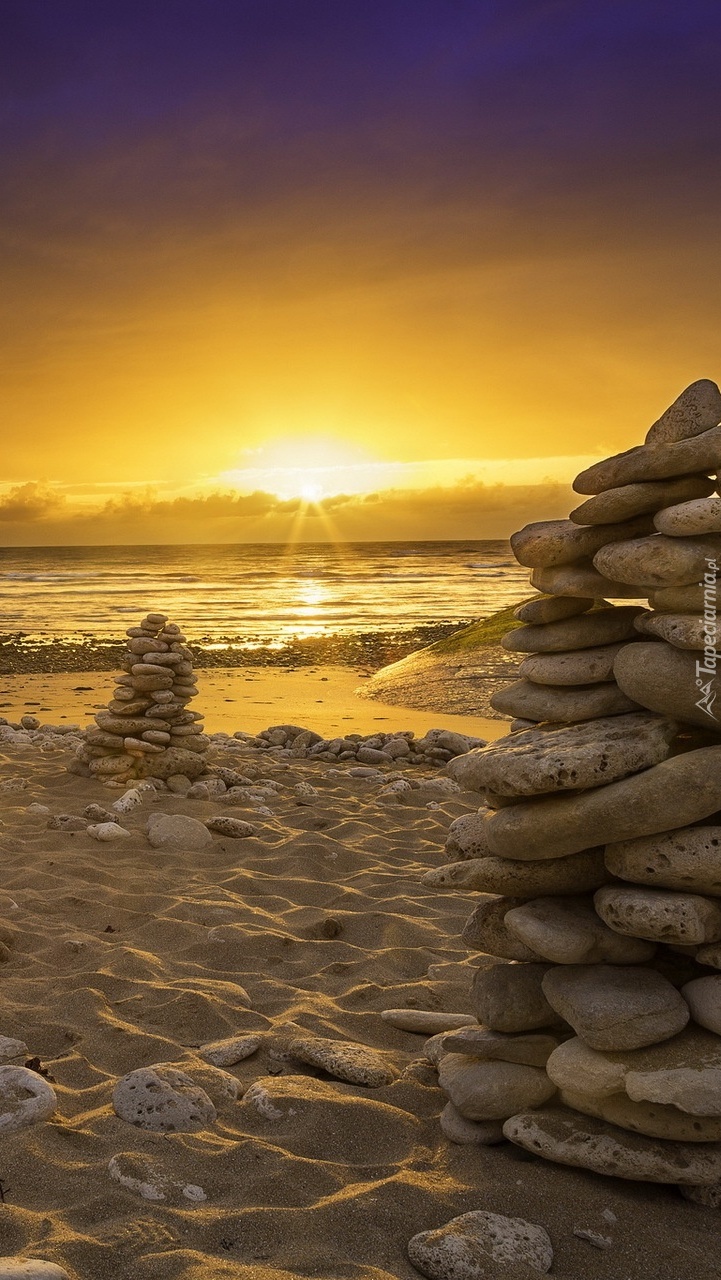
[706,670]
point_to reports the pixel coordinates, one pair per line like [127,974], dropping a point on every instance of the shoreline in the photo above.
[322,698]
[22,653]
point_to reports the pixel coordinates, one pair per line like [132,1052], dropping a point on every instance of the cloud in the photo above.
[34,515]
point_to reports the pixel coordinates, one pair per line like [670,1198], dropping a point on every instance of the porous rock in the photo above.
[697,409]
[661,915]
[578,873]
[675,792]
[235,828]
[485,930]
[25,1099]
[480,1246]
[689,519]
[468,836]
[343,1060]
[162,1099]
[682,630]
[583,1142]
[686,858]
[653,462]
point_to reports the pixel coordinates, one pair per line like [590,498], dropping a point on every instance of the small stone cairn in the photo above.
[598,852]
[147,729]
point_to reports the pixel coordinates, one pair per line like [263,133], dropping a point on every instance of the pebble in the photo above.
[225,1053]
[637,499]
[550,702]
[697,409]
[427,1022]
[593,1237]
[551,608]
[583,1142]
[661,915]
[176,831]
[11,1048]
[25,1099]
[549,543]
[537,761]
[128,801]
[568,931]
[479,1246]
[162,1099]
[586,666]
[343,1060]
[682,630]
[304,793]
[581,580]
[689,519]
[703,997]
[492,1089]
[108,831]
[663,678]
[38,809]
[578,873]
[658,561]
[615,1007]
[136,1172]
[653,462]
[603,626]
[96,813]
[652,1119]
[478,1133]
[66,822]
[510,997]
[17,1268]
[235,828]
[468,836]
[486,930]
[678,791]
[478,1042]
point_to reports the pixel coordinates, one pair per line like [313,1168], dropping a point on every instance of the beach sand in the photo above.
[118,956]
[249,698]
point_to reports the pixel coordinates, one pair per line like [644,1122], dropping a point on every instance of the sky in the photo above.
[341,269]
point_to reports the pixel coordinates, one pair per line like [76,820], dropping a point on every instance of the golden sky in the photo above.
[392,270]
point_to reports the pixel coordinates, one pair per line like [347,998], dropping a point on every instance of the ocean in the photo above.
[260,595]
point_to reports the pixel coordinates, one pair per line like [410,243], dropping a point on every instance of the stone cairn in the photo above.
[598,851]
[147,729]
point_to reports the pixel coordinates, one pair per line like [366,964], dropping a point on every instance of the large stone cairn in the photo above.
[147,729]
[598,852]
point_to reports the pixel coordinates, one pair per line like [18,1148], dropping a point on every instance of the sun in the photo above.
[310,490]
[309,468]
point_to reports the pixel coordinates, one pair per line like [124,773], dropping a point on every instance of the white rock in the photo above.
[17,1268]
[162,1099]
[108,831]
[427,1022]
[137,1173]
[473,1245]
[38,808]
[225,1053]
[260,1100]
[176,831]
[130,800]
[10,1048]
[25,1099]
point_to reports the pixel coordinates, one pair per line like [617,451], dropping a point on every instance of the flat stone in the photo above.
[653,462]
[579,873]
[163,1100]
[659,914]
[538,761]
[108,831]
[343,1060]
[690,519]
[581,579]
[687,859]
[176,831]
[584,666]
[663,678]
[17,1268]
[676,792]
[485,930]
[433,1049]
[568,931]
[684,600]
[234,828]
[481,1246]
[703,997]
[492,1090]
[510,997]
[559,705]
[468,836]
[710,954]
[491,1046]
[548,543]
[637,499]
[427,1022]
[682,630]
[25,1099]
[615,1008]
[476,1133]
[550,609]
[650,1119]
[697,409]
[601,626]
[566,1137]
[658,561]
[225,1053]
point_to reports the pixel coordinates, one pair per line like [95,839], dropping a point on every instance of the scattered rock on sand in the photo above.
[235,828]
[176,831]
[17,1268]
[225,1053]
[25,1099]
[108,831]
[477,1245]
[426,1022]
[343,1060]
[162,1099]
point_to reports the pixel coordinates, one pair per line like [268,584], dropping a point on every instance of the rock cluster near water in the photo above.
[147,728]
[597,853]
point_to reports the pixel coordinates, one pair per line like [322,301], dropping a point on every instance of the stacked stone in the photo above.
[598,855]
[147,728]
